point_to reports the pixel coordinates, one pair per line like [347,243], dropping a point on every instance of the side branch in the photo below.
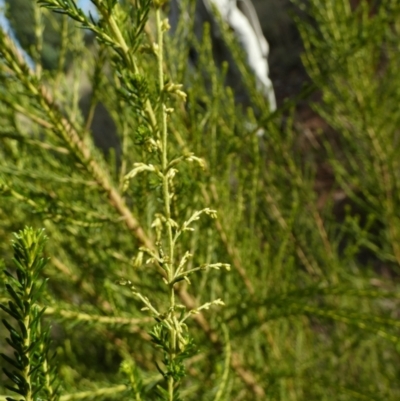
[71,136]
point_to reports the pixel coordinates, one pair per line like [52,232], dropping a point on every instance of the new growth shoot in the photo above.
[170,334]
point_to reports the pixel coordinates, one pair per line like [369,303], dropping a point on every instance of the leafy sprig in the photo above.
[33,370]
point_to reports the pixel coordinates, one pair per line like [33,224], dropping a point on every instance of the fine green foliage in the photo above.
[32,373]
[151,181]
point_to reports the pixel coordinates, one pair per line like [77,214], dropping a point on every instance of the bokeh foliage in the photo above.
[312,298]
[21,15]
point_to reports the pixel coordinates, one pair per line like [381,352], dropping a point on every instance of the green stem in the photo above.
[166,196]
[27,343]
[128,57]
[38,40]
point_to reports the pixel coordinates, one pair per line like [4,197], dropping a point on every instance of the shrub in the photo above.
[308,315]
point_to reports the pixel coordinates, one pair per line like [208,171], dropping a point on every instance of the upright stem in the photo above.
[166,195]
[128,56]
[38,40]
[27,343]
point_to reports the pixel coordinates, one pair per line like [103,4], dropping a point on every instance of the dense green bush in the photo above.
[311,297]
